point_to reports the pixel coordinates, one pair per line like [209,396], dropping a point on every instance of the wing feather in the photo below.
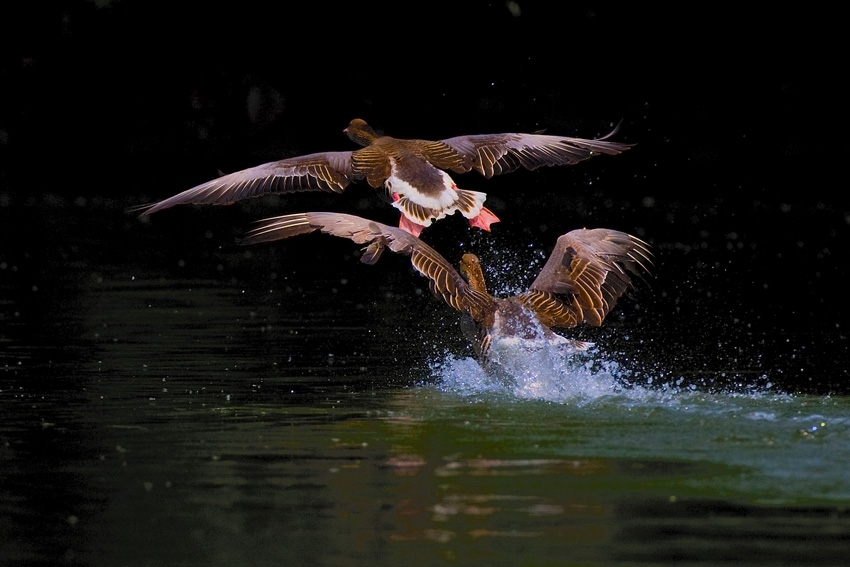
[445,282]
[585,276]
[326,171]
[495,154]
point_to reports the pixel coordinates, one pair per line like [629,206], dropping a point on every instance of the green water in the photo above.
[183,423]
[179,408]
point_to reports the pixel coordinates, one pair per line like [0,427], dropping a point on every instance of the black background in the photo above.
[737,176]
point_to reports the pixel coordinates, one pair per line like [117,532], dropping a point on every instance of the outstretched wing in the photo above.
[445,281]
[494,154]
[326,171]
[587,272]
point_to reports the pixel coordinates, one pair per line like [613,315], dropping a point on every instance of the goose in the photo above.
[585,275]
[408,173]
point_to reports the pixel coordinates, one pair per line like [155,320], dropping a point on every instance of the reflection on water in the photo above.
[149,420]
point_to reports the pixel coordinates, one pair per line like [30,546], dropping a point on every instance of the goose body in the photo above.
[412,175]
[583,278]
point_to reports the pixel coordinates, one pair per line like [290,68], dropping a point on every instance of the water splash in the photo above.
[538,370]
[530,370]
[550,372]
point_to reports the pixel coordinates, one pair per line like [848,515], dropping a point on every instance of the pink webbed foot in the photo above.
[405,223]
[484,219]
[413,228]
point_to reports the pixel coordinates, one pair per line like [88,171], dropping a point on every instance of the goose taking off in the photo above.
[584,276]
[410,174]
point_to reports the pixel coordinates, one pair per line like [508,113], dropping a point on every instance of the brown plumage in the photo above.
[411,174]
[585,275]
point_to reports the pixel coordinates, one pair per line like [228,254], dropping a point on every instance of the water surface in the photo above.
[176,412]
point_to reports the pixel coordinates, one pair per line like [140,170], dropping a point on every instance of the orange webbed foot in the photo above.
[484,219]
[408,225]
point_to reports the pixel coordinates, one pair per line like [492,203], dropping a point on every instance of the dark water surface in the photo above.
[191,404]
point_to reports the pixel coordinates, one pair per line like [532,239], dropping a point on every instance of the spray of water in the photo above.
[529,369]
[557,373]
[545,372]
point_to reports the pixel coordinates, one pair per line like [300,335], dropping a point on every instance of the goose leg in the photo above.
[484,219]
[413,228]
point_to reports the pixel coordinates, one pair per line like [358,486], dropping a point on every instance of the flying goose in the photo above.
[584,276]
[409,174]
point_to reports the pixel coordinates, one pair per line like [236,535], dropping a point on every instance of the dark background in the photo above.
[737,176]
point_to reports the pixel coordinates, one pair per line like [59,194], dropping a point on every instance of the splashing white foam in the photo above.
[533,371]
[542,370]
[580,378]
[558,372]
